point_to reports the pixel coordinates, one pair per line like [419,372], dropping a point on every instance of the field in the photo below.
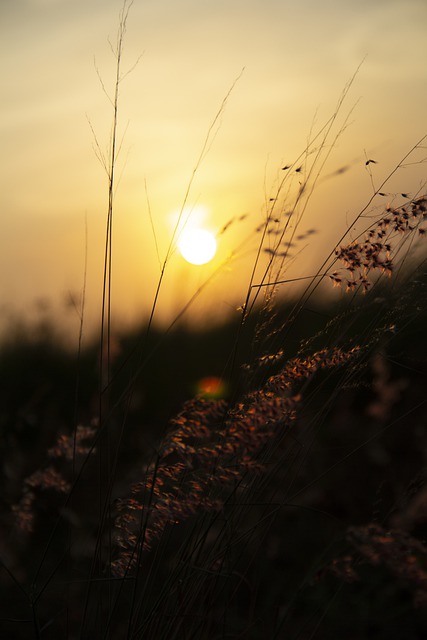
[261,476]
[294,507]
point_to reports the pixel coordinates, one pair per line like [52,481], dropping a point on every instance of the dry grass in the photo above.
[224,520]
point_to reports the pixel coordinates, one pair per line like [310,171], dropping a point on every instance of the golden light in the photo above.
[197,246]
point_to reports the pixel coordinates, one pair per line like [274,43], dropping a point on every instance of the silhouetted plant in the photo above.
[177,542]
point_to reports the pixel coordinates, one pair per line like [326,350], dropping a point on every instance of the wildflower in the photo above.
[375,253]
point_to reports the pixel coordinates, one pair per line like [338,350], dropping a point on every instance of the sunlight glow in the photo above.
[197,246]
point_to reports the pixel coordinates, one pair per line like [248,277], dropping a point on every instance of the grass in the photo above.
[292,505]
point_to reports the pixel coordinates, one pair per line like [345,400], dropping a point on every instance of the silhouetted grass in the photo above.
[259,478]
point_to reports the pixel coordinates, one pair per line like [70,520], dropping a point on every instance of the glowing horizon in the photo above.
[54,192]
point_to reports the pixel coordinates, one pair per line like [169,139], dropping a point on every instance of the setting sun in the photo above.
[197,246]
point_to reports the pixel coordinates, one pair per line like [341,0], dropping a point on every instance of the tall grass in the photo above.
[258,513]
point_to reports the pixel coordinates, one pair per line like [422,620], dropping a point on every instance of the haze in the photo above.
[296,59]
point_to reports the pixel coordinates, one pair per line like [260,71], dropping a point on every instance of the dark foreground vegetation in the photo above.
[261,479]
[289,501]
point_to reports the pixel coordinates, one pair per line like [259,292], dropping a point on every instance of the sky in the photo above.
[252,80]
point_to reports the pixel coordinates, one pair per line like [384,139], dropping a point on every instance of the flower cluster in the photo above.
[46,479]
[207,452]
[375,253]
[67,448]
[404,556]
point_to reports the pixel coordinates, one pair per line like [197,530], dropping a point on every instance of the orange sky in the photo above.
[297,58]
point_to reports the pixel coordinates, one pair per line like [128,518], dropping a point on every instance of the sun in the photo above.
[197,246]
